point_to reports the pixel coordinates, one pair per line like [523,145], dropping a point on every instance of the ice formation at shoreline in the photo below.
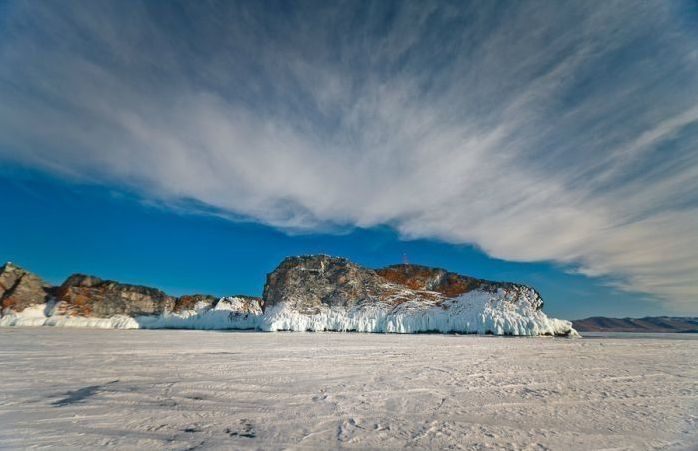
[476,312]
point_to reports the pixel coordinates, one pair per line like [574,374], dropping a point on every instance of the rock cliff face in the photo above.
[450,284]
[319,292]
[91,297]
[308,283]
[20,288]
[192,301]
[83,295]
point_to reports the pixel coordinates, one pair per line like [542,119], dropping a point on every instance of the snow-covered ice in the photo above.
[181,389]
[474,312]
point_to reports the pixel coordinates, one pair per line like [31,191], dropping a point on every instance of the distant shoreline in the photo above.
[650,324]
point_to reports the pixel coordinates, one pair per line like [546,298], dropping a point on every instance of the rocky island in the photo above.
[307,293]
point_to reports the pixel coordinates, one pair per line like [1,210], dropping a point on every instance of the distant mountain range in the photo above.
[648,324]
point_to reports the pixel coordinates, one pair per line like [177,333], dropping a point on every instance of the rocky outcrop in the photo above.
[84,295]
[20,288]
[320,292]
[308,283]
[90,296]
[308,293]
[193,301]
[450,284]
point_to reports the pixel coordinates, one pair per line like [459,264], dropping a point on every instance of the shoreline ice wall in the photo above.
[472,313]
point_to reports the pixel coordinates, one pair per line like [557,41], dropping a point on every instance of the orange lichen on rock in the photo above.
[417,277]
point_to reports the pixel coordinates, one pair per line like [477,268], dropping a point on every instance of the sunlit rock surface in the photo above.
[82,295]
[20,288]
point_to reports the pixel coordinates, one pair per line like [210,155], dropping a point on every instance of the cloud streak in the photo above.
[563,132]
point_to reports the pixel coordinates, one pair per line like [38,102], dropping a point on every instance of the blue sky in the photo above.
[192,145]
[59,228]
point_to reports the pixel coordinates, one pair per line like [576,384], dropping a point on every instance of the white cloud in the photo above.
[543,132]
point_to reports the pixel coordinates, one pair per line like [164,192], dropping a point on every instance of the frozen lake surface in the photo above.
[192,389]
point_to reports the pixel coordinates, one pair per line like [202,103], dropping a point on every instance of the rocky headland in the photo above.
[307,293]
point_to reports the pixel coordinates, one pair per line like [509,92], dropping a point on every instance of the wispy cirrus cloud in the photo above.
[564,132]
